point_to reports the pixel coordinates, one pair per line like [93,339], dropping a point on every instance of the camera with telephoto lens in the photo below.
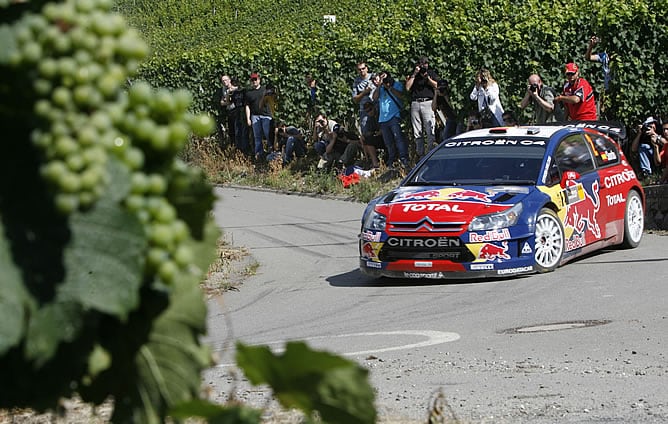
[388,80]
[423,69]
[533,87]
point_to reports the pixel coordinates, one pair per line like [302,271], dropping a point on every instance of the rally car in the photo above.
[505,201]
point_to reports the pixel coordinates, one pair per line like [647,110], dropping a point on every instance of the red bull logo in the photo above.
[420,195]
[470,195]
[493,252]
[581,215]
[368,251]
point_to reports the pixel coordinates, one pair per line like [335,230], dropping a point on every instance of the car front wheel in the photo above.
[549,244]
[634,220]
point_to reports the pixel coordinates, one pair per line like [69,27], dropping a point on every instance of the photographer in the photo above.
[290,141]
[421,84]
[486,93]
[446,117]
[542,99]
[388,95]
[259,114]
[647,144]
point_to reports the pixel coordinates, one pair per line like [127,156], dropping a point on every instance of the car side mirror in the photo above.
[569,176]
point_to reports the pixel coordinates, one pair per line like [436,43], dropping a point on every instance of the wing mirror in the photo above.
[568,176]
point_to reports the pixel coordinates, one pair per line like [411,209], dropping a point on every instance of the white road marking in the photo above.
[433,338]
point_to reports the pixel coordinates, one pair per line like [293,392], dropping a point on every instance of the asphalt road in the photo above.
[586,343]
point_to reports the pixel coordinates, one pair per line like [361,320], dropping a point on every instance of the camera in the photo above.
[423,70]
[321,122]
[388,80]
[269,91]
[483,80]
[475,121]
[533,87]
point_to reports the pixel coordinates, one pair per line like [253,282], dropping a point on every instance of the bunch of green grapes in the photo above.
[80,55]
[158,123]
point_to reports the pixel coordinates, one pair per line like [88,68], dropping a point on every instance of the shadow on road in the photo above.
[355,278]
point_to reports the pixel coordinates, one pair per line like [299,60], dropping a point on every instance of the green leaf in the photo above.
[312,381]
[167,367]
[14,298]
[104,260]
[216,414]
[49,326]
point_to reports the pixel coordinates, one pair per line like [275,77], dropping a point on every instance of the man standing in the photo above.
[362,90]
[258,115]
[542,99]
[225,114]
[578,96]
[388,95]
[421,84]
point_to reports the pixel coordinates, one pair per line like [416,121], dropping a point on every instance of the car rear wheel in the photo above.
[634,220]
[549,244]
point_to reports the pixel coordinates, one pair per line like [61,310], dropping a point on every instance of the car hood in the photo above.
[447,204]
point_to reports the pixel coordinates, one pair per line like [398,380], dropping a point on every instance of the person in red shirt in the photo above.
[578,96]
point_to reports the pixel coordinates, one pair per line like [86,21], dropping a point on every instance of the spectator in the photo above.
[361,91]
[602,57]
[473,121]
[509,119]
[646,145]
[290,141]
[323,133]
[421,84]
[259,115]
[445,114]
[237,97]
[486,92]
[225,129]
[312,85]
[577,96]
[663,154]
[541,97]
[372,140]
[388,96]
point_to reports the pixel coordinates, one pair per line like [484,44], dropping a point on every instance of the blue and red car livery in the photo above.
[505,201]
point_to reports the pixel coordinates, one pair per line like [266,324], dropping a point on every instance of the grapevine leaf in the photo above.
[49,326]
[13,298]
[169,364]
[311,381]
[204,253]
[104,260]
[216,414]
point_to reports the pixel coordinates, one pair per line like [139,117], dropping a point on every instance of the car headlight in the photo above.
[496,221]
[375,221]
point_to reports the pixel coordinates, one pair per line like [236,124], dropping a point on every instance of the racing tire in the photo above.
[549,241]
[634,220]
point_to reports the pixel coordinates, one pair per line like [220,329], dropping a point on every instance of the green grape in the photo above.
[156,184]
[167,271]
[138,183]
[70,182]
[66,203]
[62,96]
[183,256]
[133,158]
[178,134]
[180,231]
[161,235]
[134,202]
[160,138]
[42,86]
[140,93]
[202,125]
[65,145]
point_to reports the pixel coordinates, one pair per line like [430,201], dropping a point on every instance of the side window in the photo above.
[605,151]
[573,155]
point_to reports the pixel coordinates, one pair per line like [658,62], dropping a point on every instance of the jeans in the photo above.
[293,146]
[394,141]
[261,127]
[423,122]
[241,135]
[646,155]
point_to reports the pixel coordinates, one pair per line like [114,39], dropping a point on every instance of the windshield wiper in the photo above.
[432,183]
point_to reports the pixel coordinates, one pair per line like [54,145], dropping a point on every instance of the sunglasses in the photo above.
[253,79]
[570,74]
[361,69]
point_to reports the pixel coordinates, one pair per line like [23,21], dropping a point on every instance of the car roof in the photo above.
[542,131]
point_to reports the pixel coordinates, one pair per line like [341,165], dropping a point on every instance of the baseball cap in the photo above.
[571,67]
[254,75]
[649,120]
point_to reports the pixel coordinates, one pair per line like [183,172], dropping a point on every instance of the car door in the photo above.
[614,179]
[581,191]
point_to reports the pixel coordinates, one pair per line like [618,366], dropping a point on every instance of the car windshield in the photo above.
[470,162]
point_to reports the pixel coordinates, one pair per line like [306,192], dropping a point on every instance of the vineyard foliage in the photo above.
[105,235]
[194,41]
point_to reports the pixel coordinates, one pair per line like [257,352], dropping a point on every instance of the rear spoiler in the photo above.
[613,129]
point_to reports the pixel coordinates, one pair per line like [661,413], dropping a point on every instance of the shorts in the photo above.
[375,141]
